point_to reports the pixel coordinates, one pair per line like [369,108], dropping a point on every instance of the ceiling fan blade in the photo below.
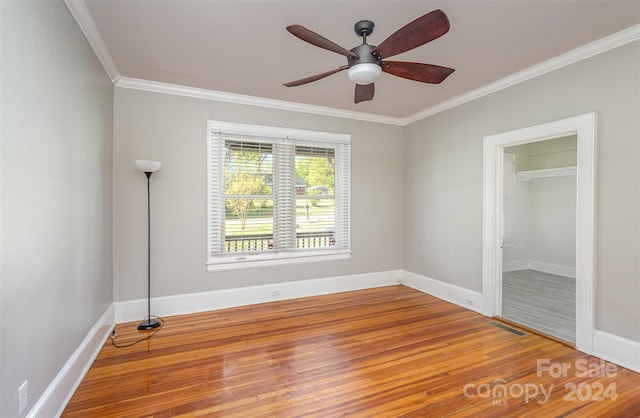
[314,77]
[364,92]
[425,73]
[319,40]
[422,30]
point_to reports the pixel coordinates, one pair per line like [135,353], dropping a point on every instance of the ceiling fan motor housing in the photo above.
[364,28]
[364,51]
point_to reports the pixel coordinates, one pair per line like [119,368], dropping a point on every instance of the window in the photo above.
[276,195]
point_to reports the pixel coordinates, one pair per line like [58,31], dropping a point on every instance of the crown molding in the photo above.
[605,44]
[178,90]
[83,17]
[615,40]
[81,14]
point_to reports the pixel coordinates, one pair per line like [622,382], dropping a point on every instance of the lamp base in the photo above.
[148,324]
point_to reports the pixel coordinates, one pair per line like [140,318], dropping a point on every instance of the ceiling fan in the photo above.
[365,62]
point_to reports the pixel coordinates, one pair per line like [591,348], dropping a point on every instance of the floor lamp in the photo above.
[148,168]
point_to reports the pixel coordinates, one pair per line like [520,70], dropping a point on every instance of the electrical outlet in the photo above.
[469,302]
[23,397]
[275,292]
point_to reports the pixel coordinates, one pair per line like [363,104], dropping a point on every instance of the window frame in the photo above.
[215,194]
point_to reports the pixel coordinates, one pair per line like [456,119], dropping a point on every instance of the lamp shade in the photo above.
[148,166]
[364,73]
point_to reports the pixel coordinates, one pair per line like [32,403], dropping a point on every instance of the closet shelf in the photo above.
[549,172]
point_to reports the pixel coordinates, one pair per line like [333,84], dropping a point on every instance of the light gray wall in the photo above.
[552,153]
[552,221]
[174,130]
[545,208]
[56,153]
[443,178]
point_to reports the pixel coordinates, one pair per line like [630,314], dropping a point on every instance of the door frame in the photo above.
[584,127]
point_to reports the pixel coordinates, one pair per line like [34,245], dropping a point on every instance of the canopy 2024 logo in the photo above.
[500,391]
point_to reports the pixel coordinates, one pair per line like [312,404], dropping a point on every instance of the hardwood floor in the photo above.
[541,301]
[384,352]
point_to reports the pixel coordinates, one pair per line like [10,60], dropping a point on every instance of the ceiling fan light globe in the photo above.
[364,73]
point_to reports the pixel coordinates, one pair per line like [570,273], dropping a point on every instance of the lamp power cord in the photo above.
[114,335]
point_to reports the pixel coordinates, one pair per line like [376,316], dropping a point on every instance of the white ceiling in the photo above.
[242,47]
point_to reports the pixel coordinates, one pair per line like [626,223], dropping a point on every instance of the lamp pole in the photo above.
[148,168]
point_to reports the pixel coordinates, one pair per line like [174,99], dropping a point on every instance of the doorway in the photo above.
[583,127]
[539,237]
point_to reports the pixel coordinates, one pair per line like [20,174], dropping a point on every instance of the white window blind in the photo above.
[276,195]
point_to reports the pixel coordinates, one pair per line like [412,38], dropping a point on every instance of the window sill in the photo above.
[266,260]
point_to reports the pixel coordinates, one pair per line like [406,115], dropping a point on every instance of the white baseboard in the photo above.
[228,298]
[558,269]
[609,347]
[466,298]
[618,350]
[515,265]
[57,395]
